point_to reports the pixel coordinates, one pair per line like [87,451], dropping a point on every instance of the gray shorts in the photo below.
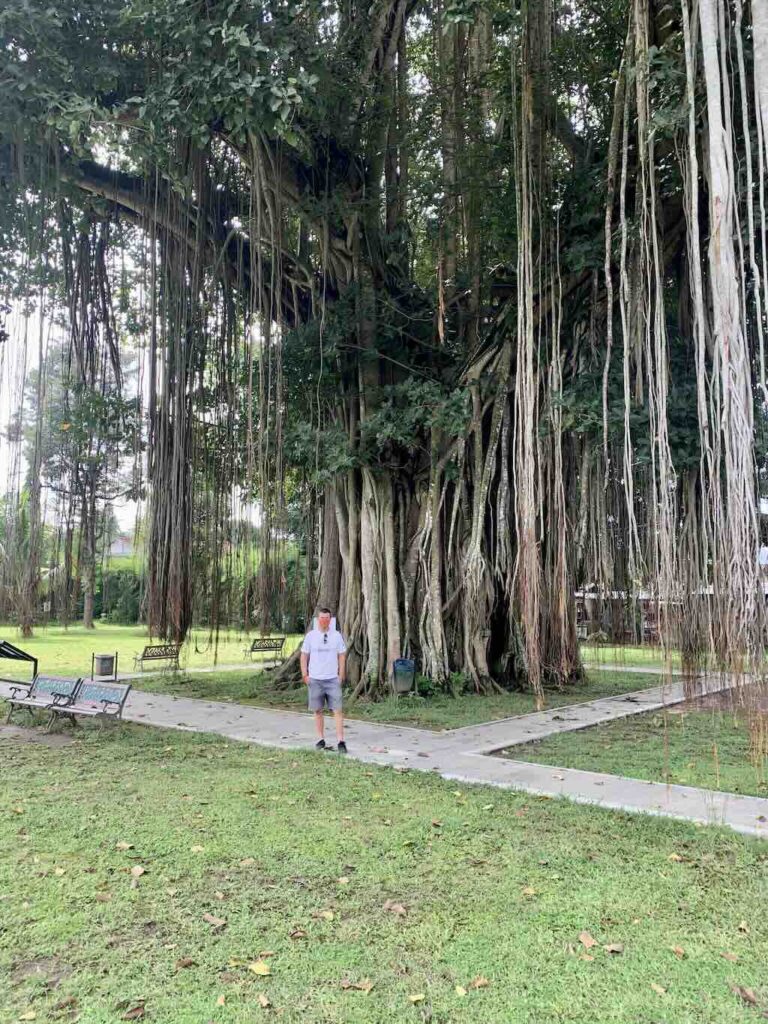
[322,691]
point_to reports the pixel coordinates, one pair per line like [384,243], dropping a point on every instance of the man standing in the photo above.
[323,667]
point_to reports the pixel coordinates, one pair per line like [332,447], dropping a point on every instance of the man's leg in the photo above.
[338,717]
[320,724]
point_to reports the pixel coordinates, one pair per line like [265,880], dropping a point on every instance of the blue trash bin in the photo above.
[403,675]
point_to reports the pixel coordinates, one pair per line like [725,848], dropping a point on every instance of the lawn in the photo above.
[709,749]
[68,651]
[173,878]
[438,711]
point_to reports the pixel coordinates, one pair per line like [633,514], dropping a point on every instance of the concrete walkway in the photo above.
[462,754]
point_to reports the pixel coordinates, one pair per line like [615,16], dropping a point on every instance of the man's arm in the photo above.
[342,667]
[304,659]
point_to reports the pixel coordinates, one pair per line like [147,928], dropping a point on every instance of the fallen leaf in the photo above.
[343,880]
[137,871]
[103,897]
[59,872]
[20,810]
[327,915]
[29,1015]
[217,923]
[185,961]
[265,953]
[744,927]
[298,933]
[260,968]
[586,940]
[135,1013]
[731,957]
[358,986]
[221,1001]
[614,947]
[479,982]
[264,1002]
[68,1003]
[587,957]
[487,807]
[529,891]
[219,895]
[675,858]
[171,892]
[437,824]
[747,994]
[247,863]
[417,998]
[123,846]
[460,990]
[395,908]
[678,951]
[196,849]
[658,989]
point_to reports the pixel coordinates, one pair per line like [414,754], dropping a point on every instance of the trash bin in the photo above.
[104,664]
[403,674]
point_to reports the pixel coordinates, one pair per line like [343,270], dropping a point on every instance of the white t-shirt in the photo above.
[323,650]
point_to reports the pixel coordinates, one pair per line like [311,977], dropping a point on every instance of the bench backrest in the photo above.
[92,693]
[45,686]
[162,651]
[268,643]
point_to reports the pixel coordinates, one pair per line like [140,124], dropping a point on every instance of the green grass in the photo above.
[436,712]
[709,749]
[494,885]
[68,651]
[637,657]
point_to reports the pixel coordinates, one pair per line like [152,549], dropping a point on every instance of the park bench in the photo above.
[264,646]
[159,652]
[91,699]
[41,695]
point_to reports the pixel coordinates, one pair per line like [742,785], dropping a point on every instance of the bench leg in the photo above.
[11,709]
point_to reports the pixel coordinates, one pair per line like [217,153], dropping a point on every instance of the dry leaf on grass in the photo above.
[123,846]
[59,872]
[197,849]
[418,997]
[731,957]
[586,940]
[217,923]
[357,986]
[675,858]
[479,982]
[460,990]
[678,951]
[221,1001]
[658,989]
[219,895]
[529,891]
[395,908]
[103,897]
[135,1013]
[264,1002]
[260,968]
[744,927]
[298,933]
[185,961]
[587,957]
[137,871]
[747,994]
[614,947]
[343,880]
[248,862]
[29,1015]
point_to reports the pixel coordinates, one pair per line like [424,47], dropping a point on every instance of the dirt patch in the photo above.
[751,699]
[19,734]
[46,970]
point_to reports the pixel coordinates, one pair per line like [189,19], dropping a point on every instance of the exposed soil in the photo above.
[29,734]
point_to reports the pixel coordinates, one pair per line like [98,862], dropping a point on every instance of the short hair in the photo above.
[324,611]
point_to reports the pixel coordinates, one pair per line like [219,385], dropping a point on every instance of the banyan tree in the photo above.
[479,288]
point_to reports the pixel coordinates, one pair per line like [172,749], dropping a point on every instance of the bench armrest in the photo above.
[19,689]
[59,699]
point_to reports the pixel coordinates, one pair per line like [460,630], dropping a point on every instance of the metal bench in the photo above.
[104,701]
[159,652]
[42,694]
[266,645]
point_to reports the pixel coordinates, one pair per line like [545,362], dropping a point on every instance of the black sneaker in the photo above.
[320,745]
[342,747]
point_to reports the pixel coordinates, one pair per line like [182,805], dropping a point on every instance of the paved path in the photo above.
[461,754]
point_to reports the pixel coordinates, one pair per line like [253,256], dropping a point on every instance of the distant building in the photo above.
[121,546]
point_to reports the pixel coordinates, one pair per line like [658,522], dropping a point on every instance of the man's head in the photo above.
[324,618]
